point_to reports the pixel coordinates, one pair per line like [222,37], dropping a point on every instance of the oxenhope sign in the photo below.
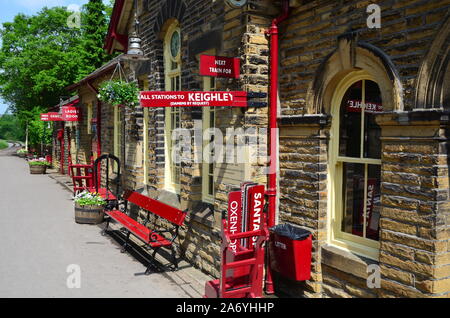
[193,99]
[219,66]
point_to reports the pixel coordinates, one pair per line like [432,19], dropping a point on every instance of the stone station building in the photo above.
[371,183]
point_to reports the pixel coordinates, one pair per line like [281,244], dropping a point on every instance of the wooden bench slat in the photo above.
[138,229]
[105,194]
[163,210]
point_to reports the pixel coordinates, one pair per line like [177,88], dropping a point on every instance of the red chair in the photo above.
[82,176]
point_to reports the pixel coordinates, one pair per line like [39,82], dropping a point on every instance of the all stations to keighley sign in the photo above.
[194,99]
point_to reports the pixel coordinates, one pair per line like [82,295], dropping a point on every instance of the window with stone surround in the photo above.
[356,164]
[172,69]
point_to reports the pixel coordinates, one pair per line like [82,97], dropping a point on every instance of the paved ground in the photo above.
[40,243]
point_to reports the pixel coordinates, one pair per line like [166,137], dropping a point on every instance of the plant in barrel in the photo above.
[38,166]
[22,153]
[89,208]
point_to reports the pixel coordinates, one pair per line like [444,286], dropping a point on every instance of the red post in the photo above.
[273,129]
[61,145]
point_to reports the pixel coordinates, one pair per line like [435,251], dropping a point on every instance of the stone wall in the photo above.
[311,32]
[414,228]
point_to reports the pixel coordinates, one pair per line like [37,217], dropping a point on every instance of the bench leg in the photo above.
[174,258]
[106,228]
[150,264]
[124,247]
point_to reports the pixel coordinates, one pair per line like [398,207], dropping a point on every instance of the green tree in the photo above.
[39,57]
[94,28]
[10,128]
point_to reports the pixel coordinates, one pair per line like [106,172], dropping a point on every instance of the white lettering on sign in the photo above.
[233,228]
[257,209]
[210,97]
[220,70]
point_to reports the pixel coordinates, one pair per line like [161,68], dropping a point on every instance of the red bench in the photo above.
[156,237]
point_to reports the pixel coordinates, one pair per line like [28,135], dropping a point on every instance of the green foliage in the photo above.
[41,55]
[94,29]
[22,151]
[10,128]
[39,162]
[38,131]
[86,198]
[118,92]
[3,144]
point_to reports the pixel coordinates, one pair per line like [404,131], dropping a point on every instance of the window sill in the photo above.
[346,261]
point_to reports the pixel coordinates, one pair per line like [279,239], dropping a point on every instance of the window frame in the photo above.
[359,245]
[171,170]
[144,81]
[206,124]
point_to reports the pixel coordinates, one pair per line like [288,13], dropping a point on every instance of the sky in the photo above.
[10,8]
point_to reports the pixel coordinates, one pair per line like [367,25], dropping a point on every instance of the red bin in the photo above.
[290,251]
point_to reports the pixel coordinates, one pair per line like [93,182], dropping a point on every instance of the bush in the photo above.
[3,144]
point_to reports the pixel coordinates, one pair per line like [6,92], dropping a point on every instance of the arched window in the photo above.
[172,69]
[355,165]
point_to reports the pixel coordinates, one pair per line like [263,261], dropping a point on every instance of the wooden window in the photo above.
[355,168]
[172,67]
[90,106]
[144,86]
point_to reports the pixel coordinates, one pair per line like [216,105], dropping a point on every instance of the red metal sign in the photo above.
[220,66]
[255,200]
[70,113]
[234,217]
[45,117]
[193,99]
[55,117]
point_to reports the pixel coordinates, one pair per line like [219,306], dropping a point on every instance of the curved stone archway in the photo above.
[352,55]
[433,81]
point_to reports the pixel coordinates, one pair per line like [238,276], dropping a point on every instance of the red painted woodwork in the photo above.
[141,231]
[242,268]
[220,66]
[70,113]
[193,99]
[163,210]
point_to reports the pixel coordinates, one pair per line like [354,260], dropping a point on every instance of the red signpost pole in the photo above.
[273,136]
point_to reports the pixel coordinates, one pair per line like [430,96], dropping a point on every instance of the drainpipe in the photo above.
[273,128]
